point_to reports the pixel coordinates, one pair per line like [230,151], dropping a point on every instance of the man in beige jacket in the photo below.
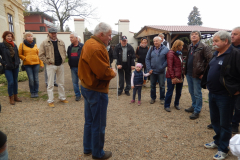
[53,53]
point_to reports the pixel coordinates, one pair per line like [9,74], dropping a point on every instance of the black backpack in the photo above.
[165,43]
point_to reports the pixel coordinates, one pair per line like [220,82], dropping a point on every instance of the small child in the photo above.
[137,82]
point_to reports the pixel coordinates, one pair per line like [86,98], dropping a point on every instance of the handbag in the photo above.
[22,66]
[179,80]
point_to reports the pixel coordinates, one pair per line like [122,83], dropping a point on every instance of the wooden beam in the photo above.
[174,38]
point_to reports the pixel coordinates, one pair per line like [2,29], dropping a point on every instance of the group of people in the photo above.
[219,72]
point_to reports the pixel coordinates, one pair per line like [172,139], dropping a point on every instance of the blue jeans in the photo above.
[95,112]
[236,116]
[195,90]
[75,80]
[32,72]
[169,93]
[12,79]
[221,111]
[135,89]
[4,155]
[161,80]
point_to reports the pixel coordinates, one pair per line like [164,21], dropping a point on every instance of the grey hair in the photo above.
[195,31]
[236,28]
[223,35]
[102,27]
[162,35]
[26,34]
[79,39]
[157,38]
[74,34]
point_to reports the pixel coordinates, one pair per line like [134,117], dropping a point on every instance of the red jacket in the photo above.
[174,65]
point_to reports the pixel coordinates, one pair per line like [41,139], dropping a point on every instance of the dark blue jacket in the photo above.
[73,61]
[138,78]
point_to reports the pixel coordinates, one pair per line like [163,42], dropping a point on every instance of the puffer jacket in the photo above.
[29,55]
[46,51]
[174,65]
[6,59]
[201,58]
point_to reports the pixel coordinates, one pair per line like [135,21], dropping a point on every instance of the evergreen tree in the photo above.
[194,17]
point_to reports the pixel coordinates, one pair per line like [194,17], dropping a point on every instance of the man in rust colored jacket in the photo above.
[95,74]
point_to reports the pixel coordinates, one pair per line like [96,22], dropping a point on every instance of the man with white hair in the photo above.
[95,74]
[222,79]
[156,62]
[164,42]
[73,53]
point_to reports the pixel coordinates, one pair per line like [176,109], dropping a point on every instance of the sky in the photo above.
[214,13]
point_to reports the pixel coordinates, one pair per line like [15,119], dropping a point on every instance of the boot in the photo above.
[16,99]
[144,83]
[11,99]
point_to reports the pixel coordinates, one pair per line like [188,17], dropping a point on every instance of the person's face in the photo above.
[235,36]
[157,42]
[138,68]
[161,38]
[73,39]
[106,38]
[195,37]
[53,36]
[218,44]
[9,37]
[29,38]
[144,42]
[123,42]
[180,48]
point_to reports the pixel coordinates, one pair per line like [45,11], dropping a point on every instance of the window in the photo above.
[10,22]
[42,29]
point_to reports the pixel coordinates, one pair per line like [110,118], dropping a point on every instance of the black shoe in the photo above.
[32,95]
[235,129]
[190,109]
[87,154]
[194,116]
[177,107]
[162,102]
[77,98]
[168,109]
[107,155]
[119,93]
[36,95]
[56,85]
[127,93]
[210,126]
[152,101]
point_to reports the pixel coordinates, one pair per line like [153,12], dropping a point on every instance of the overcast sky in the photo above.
[214,13]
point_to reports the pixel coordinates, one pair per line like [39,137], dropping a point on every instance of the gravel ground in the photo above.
[144,132]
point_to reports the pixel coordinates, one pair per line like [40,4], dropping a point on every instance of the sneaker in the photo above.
[36,95]
[235,129]
[32,95]
[190,109]
[210,145]
[139,103]
[152,101]
[107,155]
[220,155]
[162,102]
[64,101]
[167,109]
[51,104]
[119,93]
[127,93]
[132,101]
[177,107]
[87,154]
[210,126]
[77,98]
[194,115]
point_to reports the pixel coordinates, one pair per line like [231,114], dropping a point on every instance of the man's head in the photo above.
[74,38]
[144,42]
[123,41]
[195,36]
[52,33]
[221,40]
[157,41]
[161,36]
[103,31]
[235,36]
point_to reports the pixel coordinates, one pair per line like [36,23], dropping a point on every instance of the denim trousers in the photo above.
[46,76]
[236,116]
[4,155]
[135,89]
[195,90]
[95,112]
[32,72]
[12,79]
[161,80]
[170,89]
[75,80]
[221,111]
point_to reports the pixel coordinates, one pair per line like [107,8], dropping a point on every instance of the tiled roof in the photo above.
[185,28]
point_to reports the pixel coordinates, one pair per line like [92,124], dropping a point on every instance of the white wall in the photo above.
[79,28]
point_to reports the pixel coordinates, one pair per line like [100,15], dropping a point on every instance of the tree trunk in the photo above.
[61,27]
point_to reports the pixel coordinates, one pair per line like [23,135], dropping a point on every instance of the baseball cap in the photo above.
[124,38]
[52,30]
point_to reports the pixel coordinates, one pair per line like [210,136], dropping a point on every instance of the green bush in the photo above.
[22,76]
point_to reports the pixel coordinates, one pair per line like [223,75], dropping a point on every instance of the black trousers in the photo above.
[125,70]
[135,89]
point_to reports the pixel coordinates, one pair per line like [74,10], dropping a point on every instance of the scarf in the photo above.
[10,46]
[30,45]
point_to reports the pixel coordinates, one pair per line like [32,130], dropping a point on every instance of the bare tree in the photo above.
[64,9]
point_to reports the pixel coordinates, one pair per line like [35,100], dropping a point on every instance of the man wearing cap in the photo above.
[125,55]
[53,53]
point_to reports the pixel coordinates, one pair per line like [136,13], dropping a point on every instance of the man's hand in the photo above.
[237,93]
[114,70]
[132,67]
[150,72]
[201,76]
[119,66]
[132,87]
[42,67]
[174,81]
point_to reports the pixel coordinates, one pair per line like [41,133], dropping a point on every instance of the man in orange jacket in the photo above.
[95,74]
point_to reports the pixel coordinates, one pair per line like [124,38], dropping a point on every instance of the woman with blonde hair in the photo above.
[174,74]
[28,52]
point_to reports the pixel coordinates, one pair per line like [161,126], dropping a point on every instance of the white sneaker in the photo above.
[210,145]
[220,155]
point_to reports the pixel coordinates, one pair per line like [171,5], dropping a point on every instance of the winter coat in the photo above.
[174,65]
